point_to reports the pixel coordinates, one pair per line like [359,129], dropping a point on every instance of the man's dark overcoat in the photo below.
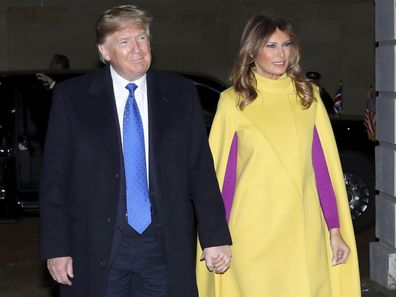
[83,180]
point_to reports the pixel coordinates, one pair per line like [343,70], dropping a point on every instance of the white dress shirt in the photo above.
[121,96]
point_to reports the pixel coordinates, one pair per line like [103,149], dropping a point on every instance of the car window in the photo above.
[209,98]
[33,104]
[7,111]
[7,128]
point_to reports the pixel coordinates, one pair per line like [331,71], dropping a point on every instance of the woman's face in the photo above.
[274,56]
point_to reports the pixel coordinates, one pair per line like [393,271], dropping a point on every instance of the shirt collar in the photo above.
[120,82]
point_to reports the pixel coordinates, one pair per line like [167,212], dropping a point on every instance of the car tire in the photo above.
[359,177]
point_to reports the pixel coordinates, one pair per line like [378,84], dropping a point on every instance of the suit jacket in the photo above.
[83,182]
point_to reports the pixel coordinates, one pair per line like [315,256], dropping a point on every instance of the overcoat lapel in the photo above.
[157,106]
[103,114]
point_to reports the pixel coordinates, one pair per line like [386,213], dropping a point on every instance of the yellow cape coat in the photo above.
[280,238]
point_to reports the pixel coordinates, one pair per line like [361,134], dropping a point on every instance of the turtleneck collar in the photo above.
[282,85]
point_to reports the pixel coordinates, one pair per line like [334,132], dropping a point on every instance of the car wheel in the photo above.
[359,177]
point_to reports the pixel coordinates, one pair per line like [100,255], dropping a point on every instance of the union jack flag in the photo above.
[369,115]
[338,100]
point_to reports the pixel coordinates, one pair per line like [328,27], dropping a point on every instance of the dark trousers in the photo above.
[139,269]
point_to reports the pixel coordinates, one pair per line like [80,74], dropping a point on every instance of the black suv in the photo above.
[24,107]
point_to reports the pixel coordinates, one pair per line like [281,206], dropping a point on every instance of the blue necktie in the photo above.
[138,203]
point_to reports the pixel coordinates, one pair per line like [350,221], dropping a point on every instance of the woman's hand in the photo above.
[217,258]
[339,248]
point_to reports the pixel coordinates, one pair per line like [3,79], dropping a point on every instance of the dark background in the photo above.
[337,36]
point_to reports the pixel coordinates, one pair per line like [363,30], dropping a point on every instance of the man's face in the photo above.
[54,65]
[128,51]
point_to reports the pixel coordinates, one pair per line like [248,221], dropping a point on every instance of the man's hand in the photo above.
[217,258]
[61,269]
[339,248]
[46,80]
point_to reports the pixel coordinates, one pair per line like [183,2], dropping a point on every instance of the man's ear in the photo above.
[104,51]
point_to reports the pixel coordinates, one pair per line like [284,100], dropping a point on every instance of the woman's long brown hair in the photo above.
[257,32]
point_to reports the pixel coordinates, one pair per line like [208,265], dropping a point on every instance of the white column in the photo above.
[383,253]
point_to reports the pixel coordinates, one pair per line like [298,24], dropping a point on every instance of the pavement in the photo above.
[22,274]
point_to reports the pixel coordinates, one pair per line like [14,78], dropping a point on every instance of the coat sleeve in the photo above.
[220,139]
[323,184]
[209,208]
[229,184]
[344,278]
[54,182]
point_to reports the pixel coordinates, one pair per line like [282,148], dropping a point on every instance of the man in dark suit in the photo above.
[57,62]
[128,178]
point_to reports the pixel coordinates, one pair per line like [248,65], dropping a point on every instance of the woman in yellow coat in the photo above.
[279,169]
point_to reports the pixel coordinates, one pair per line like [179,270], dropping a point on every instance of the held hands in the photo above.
[217,258]
[339,248]
[61,269]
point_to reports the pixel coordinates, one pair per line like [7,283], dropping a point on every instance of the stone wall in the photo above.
[383,252]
